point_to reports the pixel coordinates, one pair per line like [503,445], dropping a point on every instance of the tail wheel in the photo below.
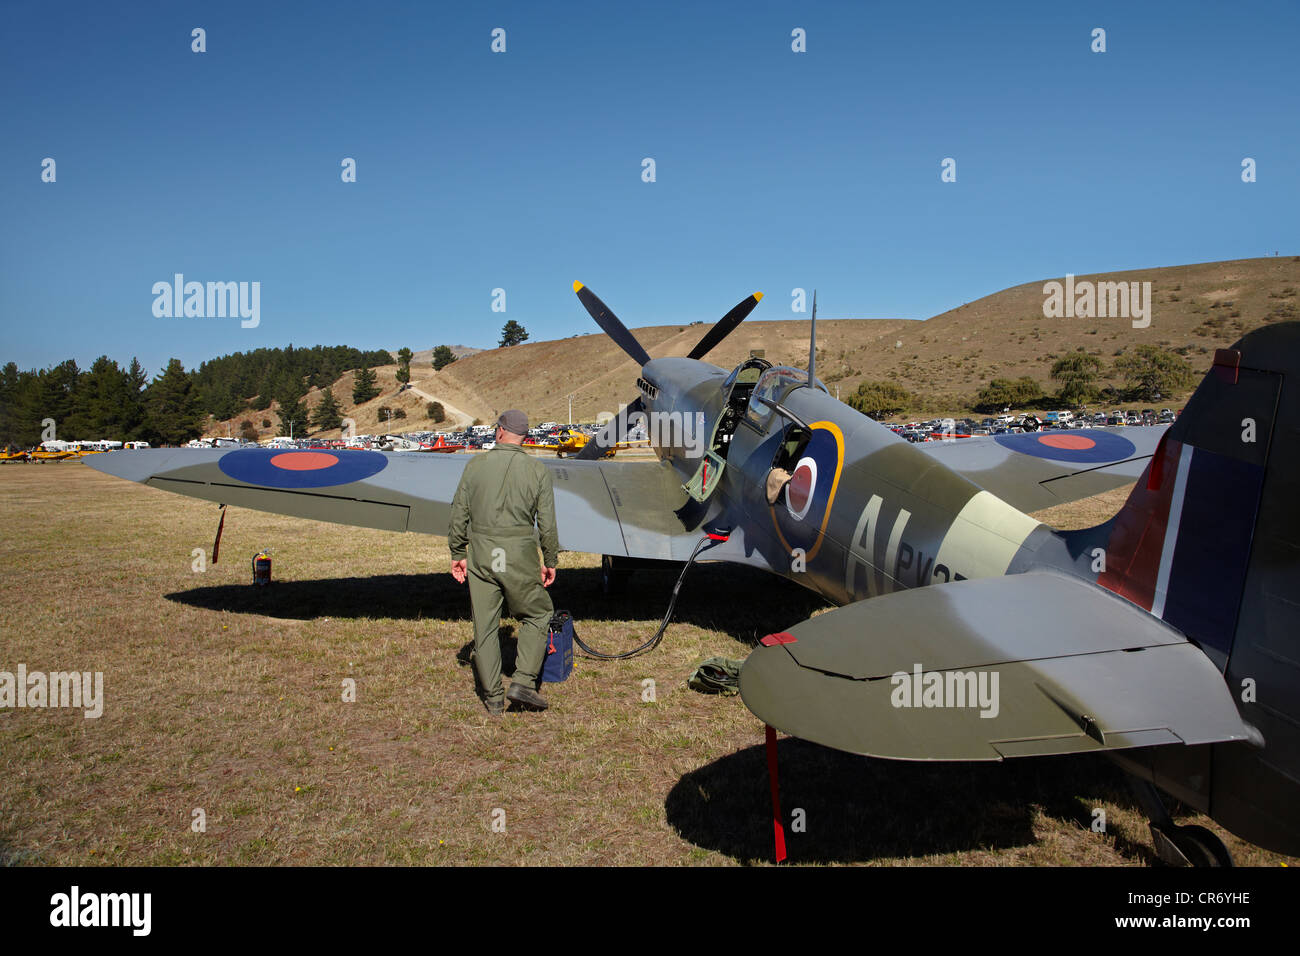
[1196,845]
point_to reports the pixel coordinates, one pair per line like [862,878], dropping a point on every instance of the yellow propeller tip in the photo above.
[577,286]
[758,296]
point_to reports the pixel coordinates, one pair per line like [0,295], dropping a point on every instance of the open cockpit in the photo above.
[753,393]
[737,388]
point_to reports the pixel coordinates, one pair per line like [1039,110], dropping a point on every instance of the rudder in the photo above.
[1209,540]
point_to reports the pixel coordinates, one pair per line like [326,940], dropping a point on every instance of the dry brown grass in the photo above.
[228,698]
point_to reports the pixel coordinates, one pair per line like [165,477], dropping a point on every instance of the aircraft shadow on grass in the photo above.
[860,809]
[856,809]
[741,602]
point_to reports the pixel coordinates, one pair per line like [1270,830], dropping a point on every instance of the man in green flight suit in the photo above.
[494,547]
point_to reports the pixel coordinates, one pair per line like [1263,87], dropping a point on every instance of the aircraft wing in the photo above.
[983,669]
[1034,470]
[602,506]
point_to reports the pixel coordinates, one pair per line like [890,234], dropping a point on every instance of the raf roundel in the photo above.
[271,468]
[810,493]
[799,492]
[1091,447]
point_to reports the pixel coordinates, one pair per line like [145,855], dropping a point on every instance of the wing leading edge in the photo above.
[602,507]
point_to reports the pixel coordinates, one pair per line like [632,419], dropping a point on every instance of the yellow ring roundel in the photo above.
[800,520]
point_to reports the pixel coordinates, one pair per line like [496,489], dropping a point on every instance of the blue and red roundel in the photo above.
[306,468]
[801,513]
[1085,446]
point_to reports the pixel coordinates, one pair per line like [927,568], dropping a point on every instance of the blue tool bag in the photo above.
[559,649]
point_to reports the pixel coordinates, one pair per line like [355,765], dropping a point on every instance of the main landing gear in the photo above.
[1178,845]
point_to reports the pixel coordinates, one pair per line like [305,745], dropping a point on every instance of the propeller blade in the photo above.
[724,326]
[610,324]
[611,434]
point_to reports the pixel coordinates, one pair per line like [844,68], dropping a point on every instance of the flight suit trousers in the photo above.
[505,569]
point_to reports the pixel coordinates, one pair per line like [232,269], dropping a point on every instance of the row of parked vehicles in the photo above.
[59,450]
[1117,417]
[474,438]
[940,429]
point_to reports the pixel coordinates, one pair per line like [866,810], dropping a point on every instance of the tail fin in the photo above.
[1209,540]
[1218,498]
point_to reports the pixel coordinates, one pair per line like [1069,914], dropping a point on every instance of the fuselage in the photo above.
[862,513]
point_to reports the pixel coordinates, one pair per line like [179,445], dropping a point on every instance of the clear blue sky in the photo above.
[522,170]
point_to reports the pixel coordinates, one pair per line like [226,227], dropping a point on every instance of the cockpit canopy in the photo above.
[778,380]
[773,386]
[747,372]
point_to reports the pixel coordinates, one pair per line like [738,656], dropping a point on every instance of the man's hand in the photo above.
[548,577]
[459,570]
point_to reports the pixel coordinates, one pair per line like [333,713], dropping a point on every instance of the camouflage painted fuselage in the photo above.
[865,513]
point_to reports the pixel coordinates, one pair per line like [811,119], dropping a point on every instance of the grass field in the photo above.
[228,699]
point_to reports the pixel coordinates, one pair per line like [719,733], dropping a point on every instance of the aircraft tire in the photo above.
[1197,845]
[1202,846]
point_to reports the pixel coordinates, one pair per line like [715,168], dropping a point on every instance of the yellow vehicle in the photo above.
[571,442]
[567,442]
[85,448]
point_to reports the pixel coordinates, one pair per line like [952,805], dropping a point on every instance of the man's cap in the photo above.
[514,421]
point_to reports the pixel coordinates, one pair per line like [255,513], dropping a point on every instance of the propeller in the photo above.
[725,325]
[612,433]
[611,325]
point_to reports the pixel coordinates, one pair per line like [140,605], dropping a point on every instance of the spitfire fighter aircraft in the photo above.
[1167,638]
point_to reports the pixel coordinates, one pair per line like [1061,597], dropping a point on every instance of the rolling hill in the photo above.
[944,360]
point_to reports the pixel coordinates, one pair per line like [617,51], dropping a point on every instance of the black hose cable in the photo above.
[663,626]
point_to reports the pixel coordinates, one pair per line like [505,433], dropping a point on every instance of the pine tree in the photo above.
[172,414]
[442,357]
[133,412]
[53,399]
[10,380]
[327,415]
[512,333]
[364,387]
[404,365]
[100,406]
[293,411]
[26,404]
[220,400]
